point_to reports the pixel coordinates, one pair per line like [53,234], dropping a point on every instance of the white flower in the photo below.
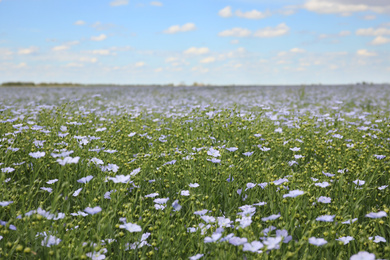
[7,170]
[295,149]
[50,240]
[280,181]
[248,153]
[193,185]
[161,200]
[254,246]
[196,257]
[185,193]
[93,211]
[346,239]
[363,255]
[132,134]
[213,152]
[236,241]
[120,179]
[324,199]
[264,149]
[5,203]
[96,161]
[201,212]
[77,192]
[85,179]
[151,195]
[293,193]
[214,237]
[214,160]
[326,218]
[322,184]
[272,242]
[272,217]
[47,189]
[250,185]
[317,241]
[131,227]
[68,160]
[378,239]
[232,149]
[37,155]
[208,219]
[52,181]
[380,214]
[134,172]
[359,182]
[176,206]
[349,221]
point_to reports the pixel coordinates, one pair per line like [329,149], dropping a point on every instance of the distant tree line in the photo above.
[21,84]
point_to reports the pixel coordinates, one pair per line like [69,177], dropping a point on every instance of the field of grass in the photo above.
[195,173]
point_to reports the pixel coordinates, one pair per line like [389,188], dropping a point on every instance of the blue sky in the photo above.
[211,42]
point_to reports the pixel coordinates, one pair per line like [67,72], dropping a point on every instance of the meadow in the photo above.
[278,172]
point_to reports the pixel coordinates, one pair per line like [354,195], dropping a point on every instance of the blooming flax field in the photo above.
[195,173]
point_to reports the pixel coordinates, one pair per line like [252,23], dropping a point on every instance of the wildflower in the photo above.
[230,179]
[5,203]
[131,227]
[50,240]
[196,257]
[326,218]
[120,179]
[170,162]
[283,233]
[291,163]
[271,217]
[338,136]
[295,149]
[134,172]
[350,221]
[47,189]
[201,212]
[132,134]
[77,192]
[176,206]
[232,149]
[279,130]
[52,181]
[379,157]
[68,160]
[378,239]
[293,193]
[79,213]
[214,237]
[383,187]
[96,161]
[263,184]
[260,203]
[322,184]
[236,241]
[93,211]
[159,207]
[213,152]
[346,239]
[224,222]
[264,149]
[193,185]
[208,219]
[317,241]
[324,199]
[380,214]
[298,156]
[101,129]
[110,167]
[280,181]
[151,195]
[250,185]
[248,153]
[85,179]
[97,255]
[268,229]
[363,255]
[328,174]
[108,194]
[272,242]
[7,170]
[214,160]
[161,200]
[254,246]
[185,193]
[359,182]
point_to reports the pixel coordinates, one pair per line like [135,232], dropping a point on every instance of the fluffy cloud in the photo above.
[140,64]
[155,3]
[297,50]
[60,48]
[208,60]
[177,28]
[197,51]
[235,32]
[119,2]
[101,37]
[79,22]
[346,7]
[101,52]
[365,53]
[373,32]
[268,32]
[254,14]
[27,50]
[225,12]
[380,40]
[86,59]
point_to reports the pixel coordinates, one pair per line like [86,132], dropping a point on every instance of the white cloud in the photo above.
[208,60]
[373,32]
[101,37]
[346,7]
[365,53]
[21,65]
[79,22]
[235,41]
[101,52]
[369,17]
[254,14]
[60,48]
[86,59]
[27,50]
[380,40]
[155,3]
[197,51]
[177,28]
[235,32]
[225,12]
[119,2]
[297,50]
[140,64]
[200,69]
[74,65]
[158,70]
[268,32]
